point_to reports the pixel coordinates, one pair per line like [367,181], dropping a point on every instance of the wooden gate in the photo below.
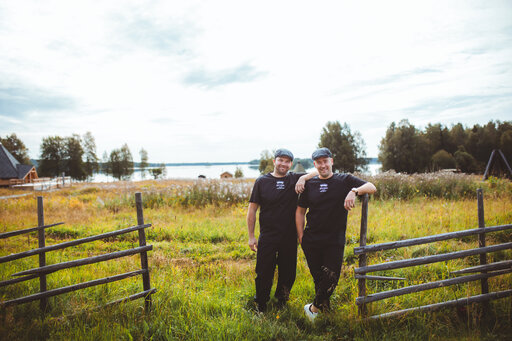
[482,272]
[43,270]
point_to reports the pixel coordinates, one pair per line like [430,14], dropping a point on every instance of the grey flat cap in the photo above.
[321,152]
[281,152]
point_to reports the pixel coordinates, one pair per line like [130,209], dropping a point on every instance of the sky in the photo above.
[221,81]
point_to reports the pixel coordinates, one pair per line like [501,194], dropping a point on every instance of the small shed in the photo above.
[12,172]
[226,175]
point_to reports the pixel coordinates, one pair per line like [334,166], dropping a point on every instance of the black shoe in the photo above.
[281,304]
[261,307]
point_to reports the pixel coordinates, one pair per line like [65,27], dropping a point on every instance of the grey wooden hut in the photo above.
[12,172]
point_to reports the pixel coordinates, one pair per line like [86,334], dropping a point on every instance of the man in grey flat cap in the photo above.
[329,197]
[276,194]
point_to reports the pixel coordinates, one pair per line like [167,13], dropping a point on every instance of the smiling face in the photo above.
[324,167]
[282,165]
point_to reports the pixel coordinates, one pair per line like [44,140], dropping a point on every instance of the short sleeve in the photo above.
[354,181]
[255,195]
[303,199]
[295,176]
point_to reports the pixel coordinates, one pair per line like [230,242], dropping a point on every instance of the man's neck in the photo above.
[277,175]
[327,177]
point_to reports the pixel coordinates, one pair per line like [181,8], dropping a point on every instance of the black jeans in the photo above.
[324,262]
[284,255]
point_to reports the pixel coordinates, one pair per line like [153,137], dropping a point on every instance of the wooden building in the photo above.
[12,172]
[226,175]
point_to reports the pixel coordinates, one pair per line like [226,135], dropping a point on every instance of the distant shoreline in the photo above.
[204,163]
[371,160]
[155,164]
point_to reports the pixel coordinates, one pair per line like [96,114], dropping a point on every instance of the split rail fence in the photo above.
[480,273]
[43,270]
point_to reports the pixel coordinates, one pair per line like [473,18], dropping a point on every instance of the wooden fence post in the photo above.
[144,254]
[481,243]
[43,303]
[363,311]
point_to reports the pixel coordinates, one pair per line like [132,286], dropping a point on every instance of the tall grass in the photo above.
[445,185]
[204,270]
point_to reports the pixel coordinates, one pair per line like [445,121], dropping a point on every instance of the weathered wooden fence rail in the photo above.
[43,270]
[484,270]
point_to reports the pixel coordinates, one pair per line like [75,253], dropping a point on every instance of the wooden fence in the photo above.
[483,271]
[41,184]
[43,270]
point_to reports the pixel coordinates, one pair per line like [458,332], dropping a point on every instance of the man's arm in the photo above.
[251,223]
[300,220]
[299,186]
[367,188]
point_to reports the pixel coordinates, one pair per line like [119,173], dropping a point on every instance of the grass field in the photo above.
[204,270]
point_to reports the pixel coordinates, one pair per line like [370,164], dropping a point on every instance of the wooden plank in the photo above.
[32,229]
[17,280]
[489,267]
[504,159]
[431,259]
[122,300]
[429,239]
[143,255]
[71,243]
[454,303]
[145,293]
[481,238]
[42,256]
[361,283]
[379,278]
[490,163]
[90,260]
[70,288]
[427,286]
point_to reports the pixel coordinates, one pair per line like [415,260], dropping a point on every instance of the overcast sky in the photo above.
[223,80]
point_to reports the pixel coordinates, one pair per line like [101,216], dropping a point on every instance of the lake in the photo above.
[209,171]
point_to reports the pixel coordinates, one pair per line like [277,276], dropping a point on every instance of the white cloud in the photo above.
[223,80]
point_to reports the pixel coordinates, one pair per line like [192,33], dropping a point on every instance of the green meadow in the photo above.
[203,268]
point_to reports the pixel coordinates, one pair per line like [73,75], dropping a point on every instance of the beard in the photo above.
[281,171]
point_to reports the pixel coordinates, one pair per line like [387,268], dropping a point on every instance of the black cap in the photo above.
[281,152]
[321,152]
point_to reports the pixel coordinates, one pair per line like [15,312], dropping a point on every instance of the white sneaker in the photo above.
[310,315]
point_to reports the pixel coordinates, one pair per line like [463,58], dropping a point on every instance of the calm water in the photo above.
[211,172]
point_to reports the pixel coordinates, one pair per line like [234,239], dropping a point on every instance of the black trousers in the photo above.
[324,263]
[284,255]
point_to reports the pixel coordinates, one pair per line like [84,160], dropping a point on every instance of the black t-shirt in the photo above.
[278,202]
[327,216]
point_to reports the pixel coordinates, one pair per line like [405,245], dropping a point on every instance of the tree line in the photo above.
[76,156]
[407,149]
[404,148]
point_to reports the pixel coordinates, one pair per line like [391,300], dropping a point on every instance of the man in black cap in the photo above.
[276,194]
[329,197]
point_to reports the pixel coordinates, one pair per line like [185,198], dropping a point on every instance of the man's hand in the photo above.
[350,201]
[253,244]
[299,186]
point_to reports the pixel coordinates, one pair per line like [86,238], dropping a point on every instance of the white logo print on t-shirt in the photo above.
[279,184]
[323,188]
